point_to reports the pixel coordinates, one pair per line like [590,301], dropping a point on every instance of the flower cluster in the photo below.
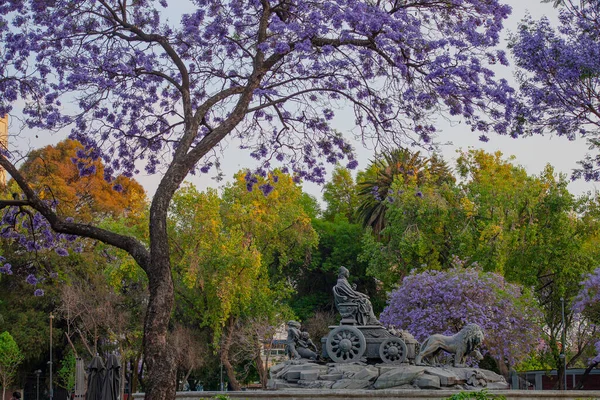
[444,301]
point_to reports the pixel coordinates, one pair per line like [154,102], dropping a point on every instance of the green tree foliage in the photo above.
[375,184]
[230,254]
[10,358]
[340,195]
[66,371]
[420,232]
[528,228]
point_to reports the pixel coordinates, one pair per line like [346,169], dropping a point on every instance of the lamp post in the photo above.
[563,337]
[51,391]
[222,387]
[37,385]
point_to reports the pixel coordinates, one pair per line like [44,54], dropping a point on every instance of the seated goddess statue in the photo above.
[344,293]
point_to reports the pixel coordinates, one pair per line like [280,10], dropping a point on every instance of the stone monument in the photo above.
[366,355]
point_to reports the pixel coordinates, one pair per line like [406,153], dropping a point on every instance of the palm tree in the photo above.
[377,180]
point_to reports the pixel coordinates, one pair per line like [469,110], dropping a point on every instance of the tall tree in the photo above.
[264,72]
[228,254]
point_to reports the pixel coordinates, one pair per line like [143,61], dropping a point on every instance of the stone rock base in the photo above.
[310,375]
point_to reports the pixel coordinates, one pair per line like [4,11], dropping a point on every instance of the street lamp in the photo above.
[222,387]
[37,385]
[562,354]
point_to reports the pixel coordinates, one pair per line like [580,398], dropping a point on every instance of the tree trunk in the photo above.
[262,371]
[503,369]
[135,365]
[225,346]
[161,379]
[584,376]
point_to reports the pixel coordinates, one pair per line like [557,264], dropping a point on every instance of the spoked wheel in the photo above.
[393,350]
[346,344]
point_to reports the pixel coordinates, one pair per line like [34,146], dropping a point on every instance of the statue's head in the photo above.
[294,324]
[343,273]
[304,335]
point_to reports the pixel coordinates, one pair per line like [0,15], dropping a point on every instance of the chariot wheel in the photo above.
[393,350]
[346,344]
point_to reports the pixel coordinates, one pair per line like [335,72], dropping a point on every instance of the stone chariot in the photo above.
[360,336]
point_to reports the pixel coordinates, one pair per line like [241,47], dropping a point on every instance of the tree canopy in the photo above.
[444,301]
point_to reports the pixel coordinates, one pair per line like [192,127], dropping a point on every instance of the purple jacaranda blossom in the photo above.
[352,164]
[31,279]
[61,251]
[6,269]
[266,188]
[444,301]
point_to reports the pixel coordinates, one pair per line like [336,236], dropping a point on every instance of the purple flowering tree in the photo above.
[139,91]
[587,303]
[444,301]
[559,76]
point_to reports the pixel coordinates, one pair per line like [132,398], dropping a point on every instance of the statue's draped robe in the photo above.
[344,293]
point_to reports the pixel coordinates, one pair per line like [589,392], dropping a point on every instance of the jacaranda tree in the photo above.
[140,91]
[559,76]
[444,301]
[587,303]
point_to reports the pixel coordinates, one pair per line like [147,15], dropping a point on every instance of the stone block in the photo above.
[275,369]
[292,376]
[399,376]
[348,370]
[491,376]
[426,381]
[315,384]
[498,386]
[331,377]
[367,373]
[309,375]
[280,384]
[447,377]
[348,383]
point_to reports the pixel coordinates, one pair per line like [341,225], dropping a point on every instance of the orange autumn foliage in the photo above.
[52,173]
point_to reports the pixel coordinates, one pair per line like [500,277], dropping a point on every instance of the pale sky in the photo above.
[532,153]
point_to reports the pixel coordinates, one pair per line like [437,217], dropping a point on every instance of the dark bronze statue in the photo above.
[351,303]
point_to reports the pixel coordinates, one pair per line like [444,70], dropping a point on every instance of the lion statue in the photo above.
[463,344]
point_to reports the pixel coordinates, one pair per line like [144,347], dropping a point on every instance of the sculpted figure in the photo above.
[292,340]
[306,347]
[344,293]
[298,344]
[463,344]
